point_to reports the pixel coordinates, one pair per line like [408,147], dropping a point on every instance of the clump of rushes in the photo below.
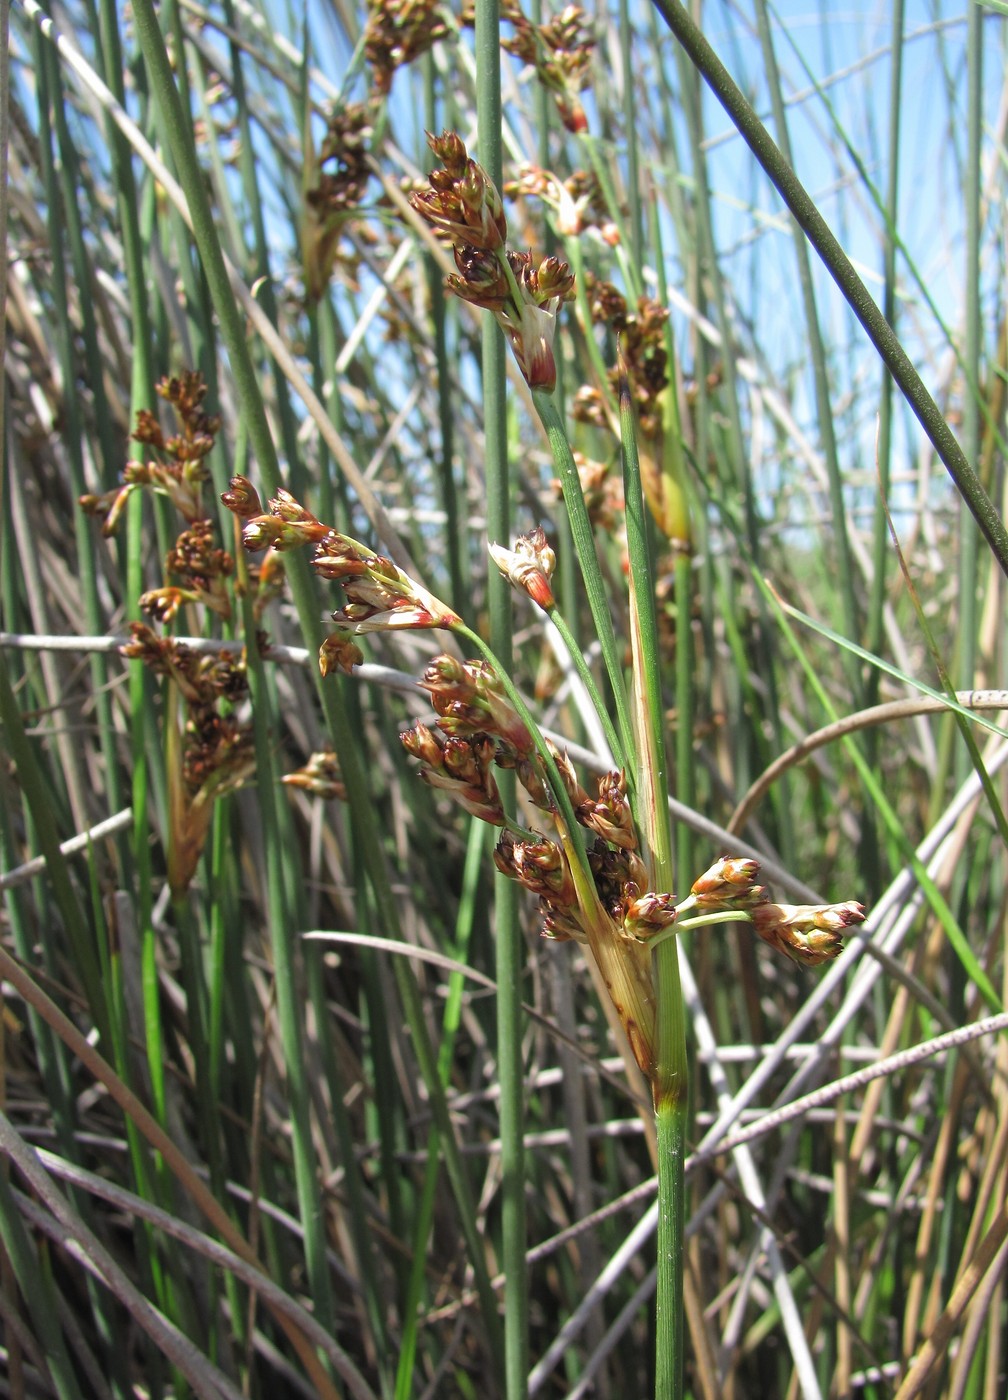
[584,861]
[210,752]
[462,203]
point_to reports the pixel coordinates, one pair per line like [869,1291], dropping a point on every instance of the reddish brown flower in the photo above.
[529,566]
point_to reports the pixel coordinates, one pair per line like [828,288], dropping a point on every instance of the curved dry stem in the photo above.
[850,724]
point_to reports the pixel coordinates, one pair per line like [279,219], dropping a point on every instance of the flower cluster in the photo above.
[178,469]
[529,566]
[320,776]
[202,568]
[642,342]
[341,173]
[560,51]
[523,294]
[397,32]
[479,729]
[210,749]
[593,884]
[460,767]
[216,754]
[379,596]
[807,933]
[462,202]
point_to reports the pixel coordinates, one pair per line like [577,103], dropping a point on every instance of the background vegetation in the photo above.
[193,1087]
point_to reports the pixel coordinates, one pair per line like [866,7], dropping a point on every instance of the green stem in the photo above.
[584,546]
[509,942]
[668,1077]
[670,1122]
[840,268]
[588,681]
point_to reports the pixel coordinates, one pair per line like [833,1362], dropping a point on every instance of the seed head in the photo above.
[242,499]
[609,816]
[460,767]
[462,202]
[648,914]
[809,934]
[730,883]
[339,653]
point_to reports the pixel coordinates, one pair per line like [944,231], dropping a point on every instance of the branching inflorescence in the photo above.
[586,866]
[582,855]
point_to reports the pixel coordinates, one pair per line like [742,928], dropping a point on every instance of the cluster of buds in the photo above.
[210,750]
[397,32]
[809,934]
[179,468]
[479,729]
[203,678]
[216,754]
[469,700]
[203,569]
[614,915]
[379,596]
[642,342]
[335,192]
[462,768]
[560,51]
[578,202]
[524,295]
[599,902]
[462,202]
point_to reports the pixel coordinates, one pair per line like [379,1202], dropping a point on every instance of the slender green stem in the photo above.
[630,125]
[670,1121]
[966,632]
[588,681]
[40,1297]
[509,942]
[668,1078]
[451,1019]
[652,774]
[584,546]
[880,534]
[840,268]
